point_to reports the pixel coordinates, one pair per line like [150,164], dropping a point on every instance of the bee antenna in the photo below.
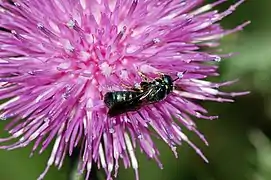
[180,75]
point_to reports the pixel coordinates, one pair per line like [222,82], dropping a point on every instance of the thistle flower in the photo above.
[58,58]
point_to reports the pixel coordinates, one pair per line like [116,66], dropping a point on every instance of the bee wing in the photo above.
[138,98]
[145,94]
[149,92]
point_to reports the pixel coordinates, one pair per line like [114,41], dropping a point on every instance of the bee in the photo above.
[120,102]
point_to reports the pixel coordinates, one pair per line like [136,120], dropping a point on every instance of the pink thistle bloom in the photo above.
[58,58]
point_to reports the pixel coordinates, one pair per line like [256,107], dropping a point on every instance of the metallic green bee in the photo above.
[120,102]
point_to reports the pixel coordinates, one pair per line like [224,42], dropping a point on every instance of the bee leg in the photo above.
[126,86]
[143,76]
[129,88]
[160,74]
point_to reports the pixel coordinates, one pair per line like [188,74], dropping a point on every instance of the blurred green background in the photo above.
[240,140]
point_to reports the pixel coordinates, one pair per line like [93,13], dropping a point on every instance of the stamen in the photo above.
[132,8]
[46,31]
[71,24]
[16,35]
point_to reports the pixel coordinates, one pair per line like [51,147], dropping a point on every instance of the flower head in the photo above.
[58,59]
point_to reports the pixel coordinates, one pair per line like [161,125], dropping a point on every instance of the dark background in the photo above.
[240,146]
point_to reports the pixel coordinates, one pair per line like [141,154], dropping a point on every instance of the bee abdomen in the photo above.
[112,98]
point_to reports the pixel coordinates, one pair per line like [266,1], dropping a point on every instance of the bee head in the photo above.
[168,82]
